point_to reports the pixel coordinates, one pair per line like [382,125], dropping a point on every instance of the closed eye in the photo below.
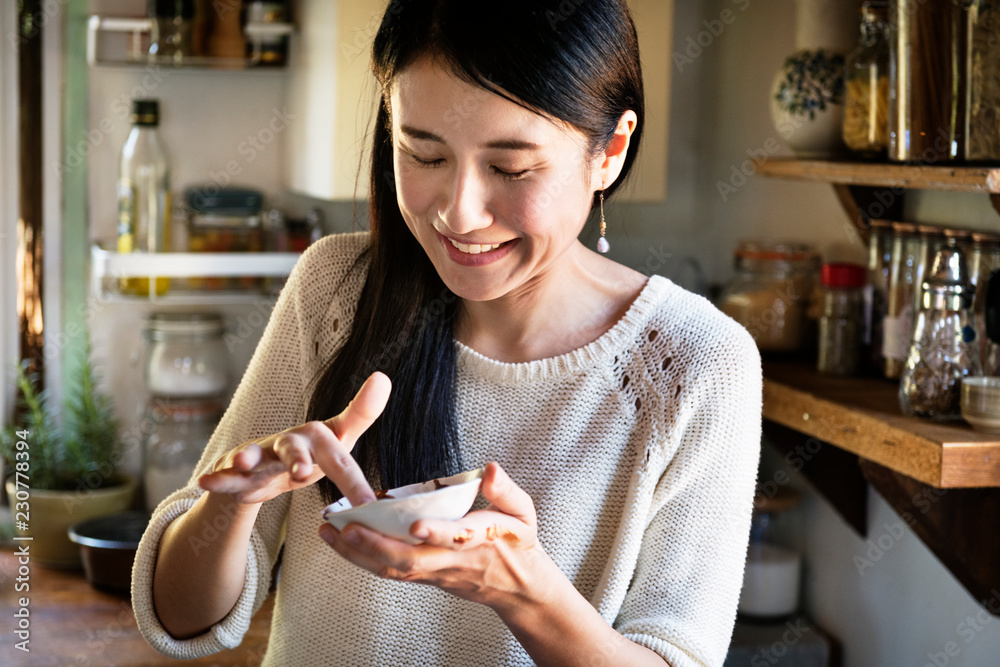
[509,175]
[426,163]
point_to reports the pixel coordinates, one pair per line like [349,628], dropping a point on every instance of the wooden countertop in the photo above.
[74,624]
[862,415]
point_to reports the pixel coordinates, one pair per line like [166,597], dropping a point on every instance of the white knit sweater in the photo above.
[639,450]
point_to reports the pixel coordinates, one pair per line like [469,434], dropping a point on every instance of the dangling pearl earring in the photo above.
[602,243]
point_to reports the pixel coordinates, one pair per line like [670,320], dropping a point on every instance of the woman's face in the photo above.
[495,194]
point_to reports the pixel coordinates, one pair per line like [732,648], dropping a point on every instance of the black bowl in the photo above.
[107,548]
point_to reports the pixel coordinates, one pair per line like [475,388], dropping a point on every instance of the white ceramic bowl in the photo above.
[447,498]
[981,403]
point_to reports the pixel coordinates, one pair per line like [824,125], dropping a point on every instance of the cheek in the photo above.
[415,192]
[561,202]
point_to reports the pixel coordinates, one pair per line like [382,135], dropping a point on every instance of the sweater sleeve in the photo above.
[682,600]
[271,397]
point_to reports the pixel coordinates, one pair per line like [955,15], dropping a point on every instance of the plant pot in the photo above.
[51,513]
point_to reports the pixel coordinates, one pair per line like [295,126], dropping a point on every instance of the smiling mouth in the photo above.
[476,249]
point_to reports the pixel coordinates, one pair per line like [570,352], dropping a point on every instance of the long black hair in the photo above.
[576,61]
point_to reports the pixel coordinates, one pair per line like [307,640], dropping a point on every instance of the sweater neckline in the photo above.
[609,344]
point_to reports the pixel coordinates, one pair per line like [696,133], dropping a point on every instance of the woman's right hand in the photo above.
[264,468]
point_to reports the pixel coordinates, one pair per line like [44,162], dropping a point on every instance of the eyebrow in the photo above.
[502,144]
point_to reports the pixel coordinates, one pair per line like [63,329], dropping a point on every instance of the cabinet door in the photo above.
[333,96]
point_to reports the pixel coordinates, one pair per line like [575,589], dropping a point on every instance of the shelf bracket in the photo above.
[864,204]
[995,198]
[958,525]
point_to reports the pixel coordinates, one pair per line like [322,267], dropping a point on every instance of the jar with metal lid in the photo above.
[877,290]
[770,293]
[866,84]
[897,329]
[840,326]
[181,429]
[944,347]
[187,356]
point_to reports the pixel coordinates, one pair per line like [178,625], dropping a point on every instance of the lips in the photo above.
[476,254]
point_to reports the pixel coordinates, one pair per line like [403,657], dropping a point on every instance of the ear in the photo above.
[612,160]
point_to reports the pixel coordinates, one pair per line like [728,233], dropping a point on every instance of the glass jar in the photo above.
[772,575]
[931,240]
[269,50]
[944,347]
[174,445]
[926,98]
[877,290]
[187,356]
[984,259]
[982,67]
[897,329]
[840,327]
[770,293]
[866,82]
[171,23]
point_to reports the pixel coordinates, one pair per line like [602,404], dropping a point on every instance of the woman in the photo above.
[618,417]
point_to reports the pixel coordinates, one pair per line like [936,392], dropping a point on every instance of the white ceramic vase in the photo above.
[807,96]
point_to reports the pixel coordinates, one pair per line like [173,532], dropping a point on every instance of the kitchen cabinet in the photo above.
[942,479]
[334,97]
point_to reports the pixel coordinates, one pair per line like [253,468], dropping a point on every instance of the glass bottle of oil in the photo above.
[144,194]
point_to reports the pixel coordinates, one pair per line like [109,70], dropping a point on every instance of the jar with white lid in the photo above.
[187,355]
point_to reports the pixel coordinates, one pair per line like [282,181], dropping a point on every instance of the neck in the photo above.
[558,311]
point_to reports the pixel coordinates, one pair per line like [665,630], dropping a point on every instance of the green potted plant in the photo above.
[59,476]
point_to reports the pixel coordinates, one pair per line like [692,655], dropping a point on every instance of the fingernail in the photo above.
[295,468]
[353,537]
[327,536]
[421,533]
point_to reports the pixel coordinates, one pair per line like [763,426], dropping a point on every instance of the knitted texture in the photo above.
[639,450]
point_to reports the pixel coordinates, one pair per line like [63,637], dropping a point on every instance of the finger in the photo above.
[474,530]
[249,457]
[293,451]
[506,496]
[362,411]
[384,556]
[336,462]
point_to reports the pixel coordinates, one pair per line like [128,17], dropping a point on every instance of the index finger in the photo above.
[336,462]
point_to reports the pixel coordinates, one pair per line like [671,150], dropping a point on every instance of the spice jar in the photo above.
[877,290]
[926,101]
[866,83]
[840,326]
[897,329]
[187,356]
[982,70]
[770,293]
[173,447]
[944,347]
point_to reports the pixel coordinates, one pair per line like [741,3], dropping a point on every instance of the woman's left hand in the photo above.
[488,556]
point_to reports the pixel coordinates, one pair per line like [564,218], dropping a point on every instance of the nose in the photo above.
[464,209]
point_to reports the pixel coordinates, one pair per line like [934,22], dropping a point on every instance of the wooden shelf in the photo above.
[862,416]
[984,179]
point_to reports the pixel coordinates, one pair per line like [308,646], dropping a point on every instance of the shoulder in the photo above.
[705,346]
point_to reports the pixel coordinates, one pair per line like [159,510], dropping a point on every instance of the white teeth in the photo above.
[474,249]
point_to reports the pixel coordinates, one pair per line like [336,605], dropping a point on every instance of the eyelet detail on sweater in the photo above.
[336,325]
[638,406]
[625,381]
[653,334]
[666,363]
[677,392]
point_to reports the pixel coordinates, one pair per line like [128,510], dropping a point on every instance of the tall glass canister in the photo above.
[927,97]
